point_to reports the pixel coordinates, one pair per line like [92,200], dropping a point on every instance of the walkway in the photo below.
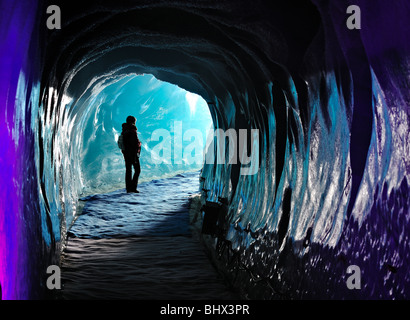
[135,246]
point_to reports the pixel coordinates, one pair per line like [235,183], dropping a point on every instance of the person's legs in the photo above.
[137,171]
[128,174]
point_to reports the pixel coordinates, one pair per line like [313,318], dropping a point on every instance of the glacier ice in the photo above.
[331,105]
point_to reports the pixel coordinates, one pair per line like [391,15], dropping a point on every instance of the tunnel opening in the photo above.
[172,125]
[159,107]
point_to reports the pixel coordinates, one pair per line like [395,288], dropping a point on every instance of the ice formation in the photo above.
[331,105]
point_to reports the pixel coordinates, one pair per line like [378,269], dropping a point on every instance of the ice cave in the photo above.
[330,104]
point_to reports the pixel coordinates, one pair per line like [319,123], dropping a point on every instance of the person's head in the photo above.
[131,120]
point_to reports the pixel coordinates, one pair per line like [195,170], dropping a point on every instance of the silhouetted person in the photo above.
[131,152]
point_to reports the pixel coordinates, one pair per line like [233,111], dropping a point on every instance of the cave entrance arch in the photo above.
[172,125]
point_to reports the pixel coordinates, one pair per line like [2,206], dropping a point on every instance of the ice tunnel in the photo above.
[330,103]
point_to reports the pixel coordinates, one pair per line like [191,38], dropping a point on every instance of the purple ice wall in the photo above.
[20,224]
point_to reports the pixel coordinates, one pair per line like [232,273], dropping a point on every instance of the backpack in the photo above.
[120,142]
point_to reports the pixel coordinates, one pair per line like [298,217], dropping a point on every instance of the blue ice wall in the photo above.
[332,190]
